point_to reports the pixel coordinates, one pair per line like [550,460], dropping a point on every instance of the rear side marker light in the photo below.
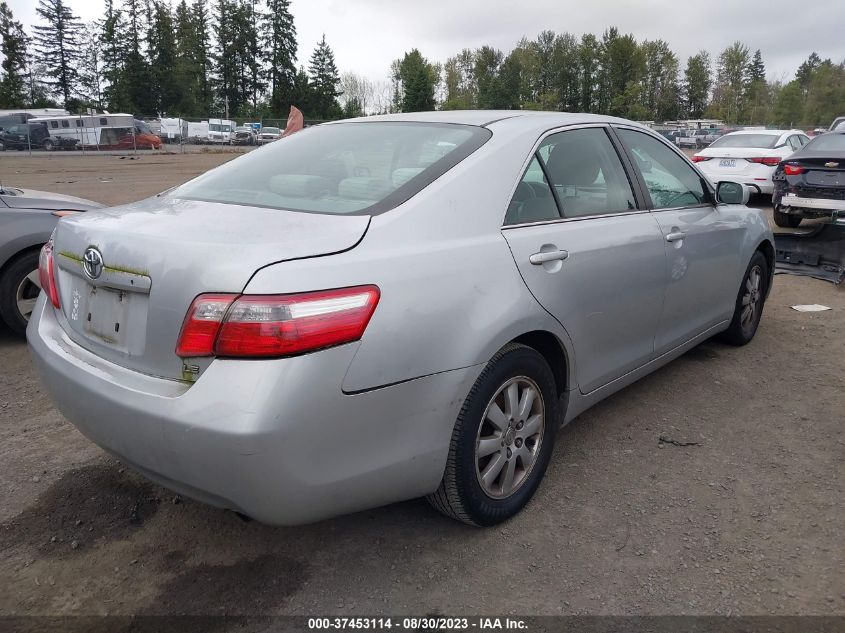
[272,326]
[771,161]
[47,274]
[793,170]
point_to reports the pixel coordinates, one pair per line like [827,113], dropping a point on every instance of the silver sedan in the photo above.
[392,307]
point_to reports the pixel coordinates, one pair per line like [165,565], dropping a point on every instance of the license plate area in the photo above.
[727,162]
[826,178]
[106,315]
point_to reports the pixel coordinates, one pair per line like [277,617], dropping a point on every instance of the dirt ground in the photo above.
[747,520]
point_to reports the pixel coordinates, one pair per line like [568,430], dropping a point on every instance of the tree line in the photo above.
[239,58]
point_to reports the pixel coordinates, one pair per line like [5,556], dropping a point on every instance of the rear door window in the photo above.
[670,180]
[586,173]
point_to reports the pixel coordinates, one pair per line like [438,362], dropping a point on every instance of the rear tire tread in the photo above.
[446,498]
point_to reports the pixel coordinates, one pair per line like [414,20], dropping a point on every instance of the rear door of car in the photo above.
[589,251]
[702,245]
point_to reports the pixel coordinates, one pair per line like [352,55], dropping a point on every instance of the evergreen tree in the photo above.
[201,57]
[91,77]
[756,91]
[58,45]
[225,59]
[418,78]
[588,68]
[697,82]
[13,44]
[278,37]
[165,90]
[488,62]
[324,81]
[805,71]
[113,53]
[729,93]
[135,78]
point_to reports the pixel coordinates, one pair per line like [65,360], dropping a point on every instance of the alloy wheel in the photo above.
[751,297]
[509,437]
[27,293]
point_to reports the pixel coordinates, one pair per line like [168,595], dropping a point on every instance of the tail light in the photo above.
[793,170]
[47,273]
[700,159]
[771,161]
[265,326]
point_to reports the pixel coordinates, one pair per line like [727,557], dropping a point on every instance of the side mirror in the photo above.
[732,193]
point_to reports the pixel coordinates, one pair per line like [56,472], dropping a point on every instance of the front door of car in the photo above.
[702,244]
[589,255]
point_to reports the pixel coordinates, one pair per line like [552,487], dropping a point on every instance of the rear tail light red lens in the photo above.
[771,161]
[47,274]
[262,326]
[700,159]
[793,170]
[202,324]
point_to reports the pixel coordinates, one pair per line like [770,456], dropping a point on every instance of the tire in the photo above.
[786,220]
[2,146]
[741,329]
[48,145]
[461,494]
[13,283]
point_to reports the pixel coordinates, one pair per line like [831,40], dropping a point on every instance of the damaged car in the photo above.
[391,307]
[811,182]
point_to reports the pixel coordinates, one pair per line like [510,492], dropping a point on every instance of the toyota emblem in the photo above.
[92,262]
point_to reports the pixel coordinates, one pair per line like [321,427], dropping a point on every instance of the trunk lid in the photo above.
[158,254]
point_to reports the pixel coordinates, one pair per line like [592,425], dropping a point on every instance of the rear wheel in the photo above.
[48,145]
[19,288]
[502,440]
[749,302]
[786,220]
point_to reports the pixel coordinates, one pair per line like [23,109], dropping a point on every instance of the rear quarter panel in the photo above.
[451,295]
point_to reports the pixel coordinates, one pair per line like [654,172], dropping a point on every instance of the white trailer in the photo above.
[221,130]
[101,130]
[173,130]
[196,132]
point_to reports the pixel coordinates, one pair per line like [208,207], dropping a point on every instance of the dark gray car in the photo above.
[27,218]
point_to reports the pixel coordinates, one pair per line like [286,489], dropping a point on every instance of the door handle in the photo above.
[674,237]
[547,256]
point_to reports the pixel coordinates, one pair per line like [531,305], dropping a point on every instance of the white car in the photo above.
[749,156]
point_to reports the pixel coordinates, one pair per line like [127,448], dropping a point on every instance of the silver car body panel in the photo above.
[297,439]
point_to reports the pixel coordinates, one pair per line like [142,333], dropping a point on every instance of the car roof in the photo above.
[527,119]
[772,132]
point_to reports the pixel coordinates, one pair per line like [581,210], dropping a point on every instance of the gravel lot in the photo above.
[746,521]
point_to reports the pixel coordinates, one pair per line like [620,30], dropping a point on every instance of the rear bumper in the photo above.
[276,440]
[823,205]
[759,178]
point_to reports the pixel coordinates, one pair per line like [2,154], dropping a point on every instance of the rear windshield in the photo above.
[747,140]
[342,168]
[828,143]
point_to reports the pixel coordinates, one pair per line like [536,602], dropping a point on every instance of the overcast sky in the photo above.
[367,34]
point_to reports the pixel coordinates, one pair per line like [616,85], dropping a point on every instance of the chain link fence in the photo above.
[99,134]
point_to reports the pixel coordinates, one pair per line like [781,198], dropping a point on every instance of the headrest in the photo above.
[299,185]
[404,174]
[567,165]
[363,188]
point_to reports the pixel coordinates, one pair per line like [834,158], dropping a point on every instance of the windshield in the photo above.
[828,143]
[142,127]
[344,168]
[270,130]
[747,140]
